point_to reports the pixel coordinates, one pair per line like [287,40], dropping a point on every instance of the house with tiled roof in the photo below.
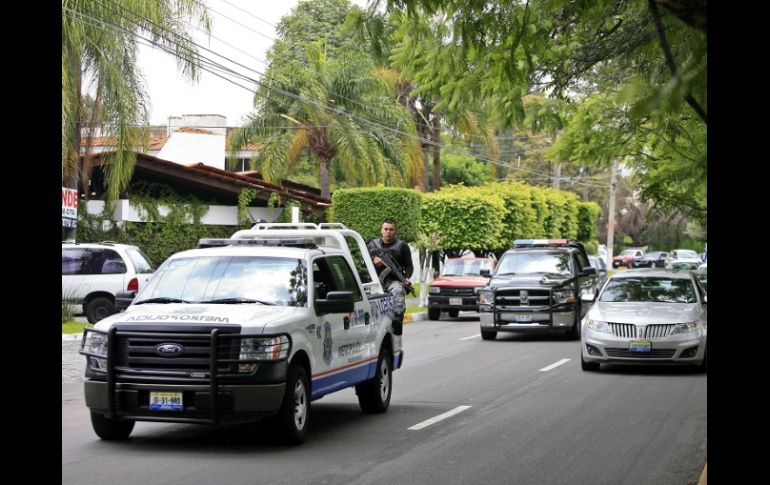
[190,158]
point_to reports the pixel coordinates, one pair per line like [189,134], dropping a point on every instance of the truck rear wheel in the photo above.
[374,394]
[291,422]
[488,335]
[110,429]
[454,313]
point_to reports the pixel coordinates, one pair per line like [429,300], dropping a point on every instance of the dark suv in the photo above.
[538,287]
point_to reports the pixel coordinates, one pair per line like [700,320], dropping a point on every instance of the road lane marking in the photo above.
[553,366]
[472,336]
[438,418]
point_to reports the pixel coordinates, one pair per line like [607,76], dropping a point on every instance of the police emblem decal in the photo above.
[327,343]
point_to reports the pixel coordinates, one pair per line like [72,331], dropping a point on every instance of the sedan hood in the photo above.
[463,281]
[645,312]
[246,314]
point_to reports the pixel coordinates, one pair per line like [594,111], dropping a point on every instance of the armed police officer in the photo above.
[394,276]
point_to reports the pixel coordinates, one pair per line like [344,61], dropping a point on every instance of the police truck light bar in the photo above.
[520,243]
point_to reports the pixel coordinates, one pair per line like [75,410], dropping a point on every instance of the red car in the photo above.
[625,258]
[458,286]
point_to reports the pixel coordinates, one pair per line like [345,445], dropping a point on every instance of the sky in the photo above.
[242,30]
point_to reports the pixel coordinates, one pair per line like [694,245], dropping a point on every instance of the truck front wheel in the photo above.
[291,423]
[110,429]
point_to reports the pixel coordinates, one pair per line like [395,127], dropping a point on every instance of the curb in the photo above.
[415,317]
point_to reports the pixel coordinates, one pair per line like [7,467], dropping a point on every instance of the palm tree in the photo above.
[342,111]
[99,47]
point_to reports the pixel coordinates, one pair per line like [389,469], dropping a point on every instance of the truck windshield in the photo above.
[535,262]
[269,280]
[460,267]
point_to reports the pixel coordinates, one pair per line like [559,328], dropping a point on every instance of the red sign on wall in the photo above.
[69,207]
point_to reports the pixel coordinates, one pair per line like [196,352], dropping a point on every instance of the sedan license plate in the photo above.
[456,301]
[523,318]
[639,346]
[166,401]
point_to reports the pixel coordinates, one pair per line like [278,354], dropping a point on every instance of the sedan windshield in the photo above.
[666,290]
[229,280]
[536,262]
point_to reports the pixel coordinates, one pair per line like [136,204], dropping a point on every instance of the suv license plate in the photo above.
[166,401]
[456,301]
[523,318]
[639,346]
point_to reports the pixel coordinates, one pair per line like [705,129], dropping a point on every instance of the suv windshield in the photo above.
[465,267]
[535,262]
[232,279]
[667,290]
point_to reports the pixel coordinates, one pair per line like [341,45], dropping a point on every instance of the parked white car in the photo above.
[92,273]
[683,259]
[646,316]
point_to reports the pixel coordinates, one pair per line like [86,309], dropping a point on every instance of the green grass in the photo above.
[72,327]
[416,309]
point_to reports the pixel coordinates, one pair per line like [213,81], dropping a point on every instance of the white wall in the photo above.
[216,215]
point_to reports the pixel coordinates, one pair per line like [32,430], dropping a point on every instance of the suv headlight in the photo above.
[263,349]
[434,290]
[564,296]
[688,327]
[486,297]
[598,325]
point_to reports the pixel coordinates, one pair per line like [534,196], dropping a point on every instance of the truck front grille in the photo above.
[536,297]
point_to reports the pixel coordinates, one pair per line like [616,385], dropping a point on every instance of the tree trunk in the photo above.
[323,172]
[436,138]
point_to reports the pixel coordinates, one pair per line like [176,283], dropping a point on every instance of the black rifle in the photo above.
[392,266]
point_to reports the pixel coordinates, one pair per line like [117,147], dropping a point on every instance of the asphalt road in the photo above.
[523,420]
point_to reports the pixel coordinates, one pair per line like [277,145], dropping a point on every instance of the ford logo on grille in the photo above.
[169,350]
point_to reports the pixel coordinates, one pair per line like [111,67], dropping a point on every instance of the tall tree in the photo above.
[99,47]
[339,109]
[649,63]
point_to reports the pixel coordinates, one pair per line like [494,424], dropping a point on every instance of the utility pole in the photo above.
[611,215]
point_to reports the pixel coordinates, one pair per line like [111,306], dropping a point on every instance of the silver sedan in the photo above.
[646,316]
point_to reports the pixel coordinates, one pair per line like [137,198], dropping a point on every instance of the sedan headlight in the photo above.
[598,325]
[486,297]
[564,296]
[434,290]
[689,327]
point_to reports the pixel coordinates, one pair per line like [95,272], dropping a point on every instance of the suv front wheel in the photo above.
[98,308]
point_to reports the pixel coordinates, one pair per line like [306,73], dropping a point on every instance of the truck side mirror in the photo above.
[123,299]
[588,271]
[485,272]
[335,302]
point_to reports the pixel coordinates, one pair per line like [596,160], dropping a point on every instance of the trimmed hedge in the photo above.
[364,210]
[464,218]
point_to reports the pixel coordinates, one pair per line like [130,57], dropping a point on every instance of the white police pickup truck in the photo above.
[255,326]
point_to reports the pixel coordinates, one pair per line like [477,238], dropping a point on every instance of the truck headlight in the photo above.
[598,325]
[564,296]
[95,343]
[486,297]
[262,349]
[478,289]
[688,327]
[434,290]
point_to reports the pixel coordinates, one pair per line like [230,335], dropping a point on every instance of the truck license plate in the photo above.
[523,318]
[166,401]
[639,346]
[456,301]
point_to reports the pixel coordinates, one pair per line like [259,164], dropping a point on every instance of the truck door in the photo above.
[344,340]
